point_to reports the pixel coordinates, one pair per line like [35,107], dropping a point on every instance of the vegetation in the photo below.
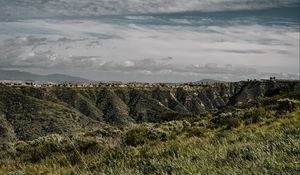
[256,137]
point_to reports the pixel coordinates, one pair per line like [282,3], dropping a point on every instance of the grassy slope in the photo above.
[261,140]
[33,117]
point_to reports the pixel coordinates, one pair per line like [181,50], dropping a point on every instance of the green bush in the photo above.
[255,115]
[142,134]
[227,120]
[175,126]
[74,158]
[136,136]
[233,122]
[177,116]
[196,131]
[287,105]
[88,145]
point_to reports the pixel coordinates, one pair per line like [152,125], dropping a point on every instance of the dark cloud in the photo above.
[245,51]
[167,59]
[19,9]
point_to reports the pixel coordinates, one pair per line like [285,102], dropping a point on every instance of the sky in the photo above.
[152,41]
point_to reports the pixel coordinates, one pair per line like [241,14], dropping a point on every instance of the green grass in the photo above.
[244,151]
[269,145]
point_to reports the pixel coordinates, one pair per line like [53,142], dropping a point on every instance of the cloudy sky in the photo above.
[157,40]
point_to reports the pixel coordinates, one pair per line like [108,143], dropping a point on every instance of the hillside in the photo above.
[60,109]
[184,130]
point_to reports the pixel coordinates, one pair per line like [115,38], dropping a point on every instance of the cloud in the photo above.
[141,46]
[22,53]
[54,8]
[69,43]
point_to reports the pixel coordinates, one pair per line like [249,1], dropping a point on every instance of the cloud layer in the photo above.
[20,9]
[240,44]
[171,47]
[104,48]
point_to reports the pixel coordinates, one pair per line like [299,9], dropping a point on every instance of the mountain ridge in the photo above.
[16,75]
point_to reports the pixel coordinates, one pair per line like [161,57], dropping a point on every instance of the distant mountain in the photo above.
[26,76]
[208,81]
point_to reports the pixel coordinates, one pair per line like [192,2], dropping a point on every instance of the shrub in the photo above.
[255,115]
[142,134]
[87,145]
[136,136]
[177,116]
[287,105]
[196,131]
[75,158]
[228,120]
[37,155]
[175,126]
[233,122]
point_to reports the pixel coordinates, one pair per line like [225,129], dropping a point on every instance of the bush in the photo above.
[233,122]
[75,158]
[287,105]
[136,136]
[196,131]
[177,116]
[142,135]
[255,115]
[175,126]
[228,120]
[91,145]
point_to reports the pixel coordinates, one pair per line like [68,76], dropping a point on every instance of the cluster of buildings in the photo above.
[87,85]
[115,84]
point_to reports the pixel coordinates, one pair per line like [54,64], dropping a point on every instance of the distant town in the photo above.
[124,85]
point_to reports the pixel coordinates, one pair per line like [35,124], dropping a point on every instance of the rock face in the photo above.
[27,112]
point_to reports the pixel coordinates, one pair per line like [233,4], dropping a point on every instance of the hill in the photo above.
[26,76]
[184,130]
[35,112]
